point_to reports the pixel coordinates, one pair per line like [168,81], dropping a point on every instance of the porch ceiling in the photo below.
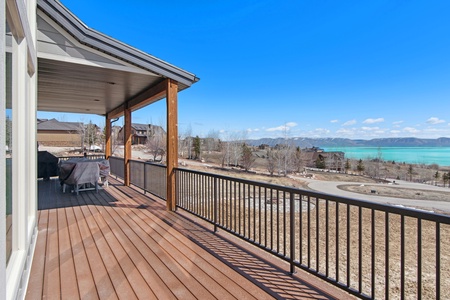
[78,88]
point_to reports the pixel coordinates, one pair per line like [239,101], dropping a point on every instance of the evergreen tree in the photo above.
[360,166]
[320,163]
[197,147]
[410,172]
[348,166]
[445,178]
[436,177]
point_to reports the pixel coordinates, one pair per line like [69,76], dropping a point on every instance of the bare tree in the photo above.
[156,143]
[286,159]
[114,138]
[271,162]
[211,141]
[81,132]
[235,148]
[378,161]
[92,134]
[231,148]
[286,156]
[297,159]
[185,143]
[8,133]
[225,151]
[247,158]
[330,161]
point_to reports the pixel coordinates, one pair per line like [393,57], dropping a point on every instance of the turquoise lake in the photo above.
[412,155]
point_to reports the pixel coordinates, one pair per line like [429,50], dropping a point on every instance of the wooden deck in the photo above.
[121,244]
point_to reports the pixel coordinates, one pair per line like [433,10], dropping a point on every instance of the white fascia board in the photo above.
[86,62]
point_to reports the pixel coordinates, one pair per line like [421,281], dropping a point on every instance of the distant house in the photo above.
[54,133]
[315,157]
[140,133]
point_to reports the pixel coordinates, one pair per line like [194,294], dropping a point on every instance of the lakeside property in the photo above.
[411,155]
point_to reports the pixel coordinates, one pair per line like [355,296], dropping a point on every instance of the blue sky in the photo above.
[353,69]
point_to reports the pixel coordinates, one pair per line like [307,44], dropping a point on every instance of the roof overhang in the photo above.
[81,70]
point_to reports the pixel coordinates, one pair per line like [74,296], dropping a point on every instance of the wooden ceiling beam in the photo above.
[145,98]
[116,112]
[149,96]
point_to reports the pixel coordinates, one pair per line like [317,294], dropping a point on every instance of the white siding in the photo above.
[14,275]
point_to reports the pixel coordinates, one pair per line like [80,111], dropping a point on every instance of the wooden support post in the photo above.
[108,141]
[172,142]
[127,148]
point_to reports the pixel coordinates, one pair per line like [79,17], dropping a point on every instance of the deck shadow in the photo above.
[272,278]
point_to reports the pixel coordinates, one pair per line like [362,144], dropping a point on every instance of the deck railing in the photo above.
[116,166]
[89,156]
[370,250]
[149,176]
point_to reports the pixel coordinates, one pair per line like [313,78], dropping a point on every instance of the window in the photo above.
[9,151]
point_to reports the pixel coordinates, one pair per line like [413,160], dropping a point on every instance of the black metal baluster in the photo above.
[419,258]
[348,245]
[317,236]
[373,254]
[308,228]
[259,217]
[292,232]
[386,265]
[402,257]
[327,238]
[337,241]
[438,260]
[360,249]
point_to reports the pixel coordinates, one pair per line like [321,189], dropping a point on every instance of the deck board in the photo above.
[52,278]
[85,279]
[103,283]
[175,259]
[186,252]
[36,283]
[165,284]
[121,244]
[69,284]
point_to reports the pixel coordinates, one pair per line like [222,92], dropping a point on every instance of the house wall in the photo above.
[17,249]
[56,138]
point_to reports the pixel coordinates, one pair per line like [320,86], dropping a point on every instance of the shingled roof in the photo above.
[55,125]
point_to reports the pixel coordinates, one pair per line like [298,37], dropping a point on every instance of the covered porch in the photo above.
[84,71]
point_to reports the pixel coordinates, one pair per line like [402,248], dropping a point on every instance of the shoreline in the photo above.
[409,155]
